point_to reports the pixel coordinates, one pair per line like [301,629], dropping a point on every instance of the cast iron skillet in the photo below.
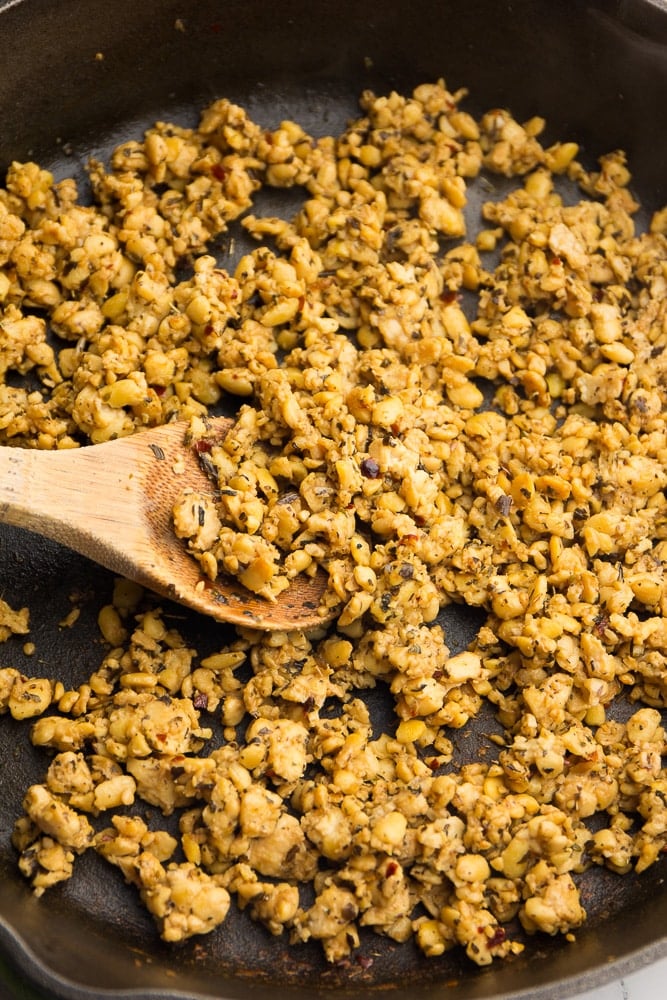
[76,77]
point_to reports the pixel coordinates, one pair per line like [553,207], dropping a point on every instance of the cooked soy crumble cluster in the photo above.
[364,445]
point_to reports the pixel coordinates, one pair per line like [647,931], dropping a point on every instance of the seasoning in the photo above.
[511,459]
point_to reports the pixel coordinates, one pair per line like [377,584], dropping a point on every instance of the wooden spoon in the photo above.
[113,504]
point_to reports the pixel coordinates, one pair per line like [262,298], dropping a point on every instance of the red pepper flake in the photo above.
[219,172]
[499,936]
[370,468]
[448,297]
[503,505]
[204,446]
[391,869]
[601,624]
[200,701]
[364,961]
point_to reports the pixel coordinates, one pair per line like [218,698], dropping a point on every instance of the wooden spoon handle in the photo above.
[71,497]
[111,502]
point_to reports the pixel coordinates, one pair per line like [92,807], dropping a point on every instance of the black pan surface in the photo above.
[78,76]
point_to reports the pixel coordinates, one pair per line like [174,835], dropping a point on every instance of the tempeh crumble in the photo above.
[510,457]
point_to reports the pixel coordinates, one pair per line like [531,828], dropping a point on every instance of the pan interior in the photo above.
[77,79]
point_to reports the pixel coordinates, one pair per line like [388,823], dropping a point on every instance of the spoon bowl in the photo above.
[113,503]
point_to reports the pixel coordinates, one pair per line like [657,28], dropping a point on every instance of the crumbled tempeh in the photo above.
[12,622]
[510,457]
